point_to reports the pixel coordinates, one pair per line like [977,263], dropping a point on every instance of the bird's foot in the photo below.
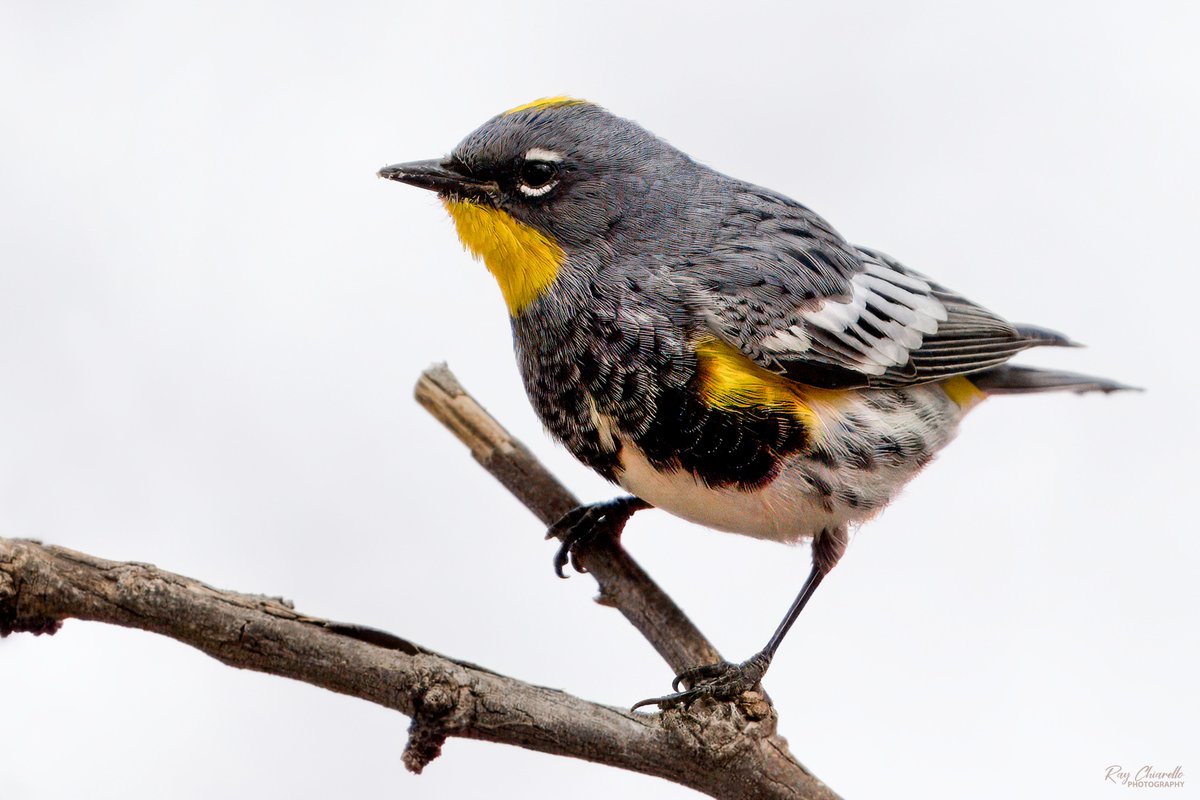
[583,524]
[721,681]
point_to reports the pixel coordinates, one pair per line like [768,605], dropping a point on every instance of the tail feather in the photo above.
[1044,337]
[1011,379]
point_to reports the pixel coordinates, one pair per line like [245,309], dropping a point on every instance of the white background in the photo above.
[212,314]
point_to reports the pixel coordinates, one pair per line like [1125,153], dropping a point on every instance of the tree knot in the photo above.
[429,727]
[12,620]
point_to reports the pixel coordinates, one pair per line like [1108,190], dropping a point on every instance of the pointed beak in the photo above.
[438,176]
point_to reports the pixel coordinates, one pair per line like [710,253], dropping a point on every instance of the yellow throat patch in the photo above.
[523,260]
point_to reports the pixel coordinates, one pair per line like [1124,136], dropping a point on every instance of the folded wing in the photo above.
[790,293]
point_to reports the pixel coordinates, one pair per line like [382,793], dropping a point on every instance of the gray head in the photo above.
[564,167]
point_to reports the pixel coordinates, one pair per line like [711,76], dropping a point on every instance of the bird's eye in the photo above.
[537,173]
[537,177]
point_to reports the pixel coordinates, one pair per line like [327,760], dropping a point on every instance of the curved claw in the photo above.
[584,523]
[673,700]
[576,525]
[563,557]
[704,672]
[721,681]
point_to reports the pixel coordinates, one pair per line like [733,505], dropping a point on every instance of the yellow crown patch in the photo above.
[547,102]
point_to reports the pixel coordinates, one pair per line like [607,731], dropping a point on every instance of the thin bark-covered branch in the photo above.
[723,750]
[623,584]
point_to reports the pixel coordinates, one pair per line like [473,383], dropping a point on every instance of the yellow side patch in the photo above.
[523,260]
[547,102]
[732,382]
[963,392]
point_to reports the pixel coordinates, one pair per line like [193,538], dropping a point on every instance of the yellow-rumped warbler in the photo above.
[714,347]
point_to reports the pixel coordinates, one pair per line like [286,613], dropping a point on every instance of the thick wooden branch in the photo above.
[721,750]
[40,585]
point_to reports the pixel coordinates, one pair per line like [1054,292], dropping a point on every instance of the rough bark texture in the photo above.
[723,750]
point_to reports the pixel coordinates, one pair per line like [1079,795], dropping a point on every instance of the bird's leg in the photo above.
[726,681]
[584,523]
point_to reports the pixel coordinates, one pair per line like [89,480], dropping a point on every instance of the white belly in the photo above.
[781,510]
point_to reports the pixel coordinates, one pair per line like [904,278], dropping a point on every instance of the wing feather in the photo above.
[790,293]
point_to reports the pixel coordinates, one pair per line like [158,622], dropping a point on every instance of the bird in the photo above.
[715,348]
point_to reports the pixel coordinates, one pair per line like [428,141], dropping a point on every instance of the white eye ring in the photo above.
[543,156]
[529,191]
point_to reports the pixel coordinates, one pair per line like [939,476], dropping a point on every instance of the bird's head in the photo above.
[546,183]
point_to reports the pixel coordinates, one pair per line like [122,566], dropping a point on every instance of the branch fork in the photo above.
[721,749]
